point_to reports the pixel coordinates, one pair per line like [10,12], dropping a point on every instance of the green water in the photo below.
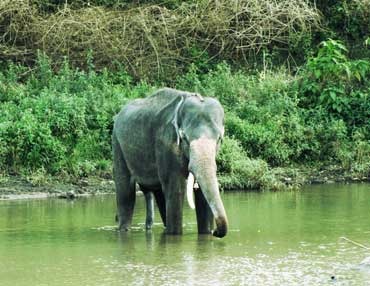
[285,238]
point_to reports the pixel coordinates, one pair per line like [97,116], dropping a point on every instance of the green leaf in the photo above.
[357,75]
[348,71]
[333,95]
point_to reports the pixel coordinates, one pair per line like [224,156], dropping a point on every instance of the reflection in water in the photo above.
[288,238]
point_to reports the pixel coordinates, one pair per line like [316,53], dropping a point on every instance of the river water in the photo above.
[285,238]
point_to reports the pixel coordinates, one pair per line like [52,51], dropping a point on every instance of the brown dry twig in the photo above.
[152,39]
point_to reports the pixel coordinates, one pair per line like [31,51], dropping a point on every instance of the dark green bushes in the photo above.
[261,111]
[335,94]
[60,122]
[313,118]
[338,85]
[347,20]
[56,118]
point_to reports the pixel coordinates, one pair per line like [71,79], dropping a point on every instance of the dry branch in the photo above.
[152,39]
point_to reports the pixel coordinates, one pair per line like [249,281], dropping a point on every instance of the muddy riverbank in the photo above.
[18,187]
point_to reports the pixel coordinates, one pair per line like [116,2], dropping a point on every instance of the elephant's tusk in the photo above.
[190,191]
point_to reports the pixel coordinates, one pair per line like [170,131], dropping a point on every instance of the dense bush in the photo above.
[238,171]
[310,118]
[340,86]
[56,111]
[347,20]
[262,112]
[60,122]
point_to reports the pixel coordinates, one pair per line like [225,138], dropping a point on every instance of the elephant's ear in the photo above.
[175,123]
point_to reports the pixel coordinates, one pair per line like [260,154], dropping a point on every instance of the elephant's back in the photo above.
[146,110]
[151,104]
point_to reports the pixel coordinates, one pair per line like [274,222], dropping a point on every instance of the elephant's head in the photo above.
[200,128]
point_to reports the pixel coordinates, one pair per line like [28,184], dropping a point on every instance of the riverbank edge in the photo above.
[15,187]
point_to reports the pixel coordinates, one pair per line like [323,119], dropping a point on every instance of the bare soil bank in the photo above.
[17,187]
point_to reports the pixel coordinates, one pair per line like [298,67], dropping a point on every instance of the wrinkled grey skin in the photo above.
[156,142]
[149,209]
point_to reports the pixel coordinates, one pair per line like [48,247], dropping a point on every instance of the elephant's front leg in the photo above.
[174,197]
[161,203]
[204,214]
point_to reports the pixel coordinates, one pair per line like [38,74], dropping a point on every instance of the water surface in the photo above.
[285,238]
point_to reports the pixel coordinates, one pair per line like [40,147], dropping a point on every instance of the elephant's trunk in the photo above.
[203,165]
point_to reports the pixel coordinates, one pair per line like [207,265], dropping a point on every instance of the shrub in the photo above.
[348,21]
[329,78]
[237,171]
[29,142]
[60,122]
[340,86]
[261,110]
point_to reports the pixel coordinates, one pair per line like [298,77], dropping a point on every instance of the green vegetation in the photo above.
[297,101]
[60,122]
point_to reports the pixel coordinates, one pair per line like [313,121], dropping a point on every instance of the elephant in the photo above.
[149,209]
[165,142]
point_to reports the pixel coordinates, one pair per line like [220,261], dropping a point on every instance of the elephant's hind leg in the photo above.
[149,210]
[125,187]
